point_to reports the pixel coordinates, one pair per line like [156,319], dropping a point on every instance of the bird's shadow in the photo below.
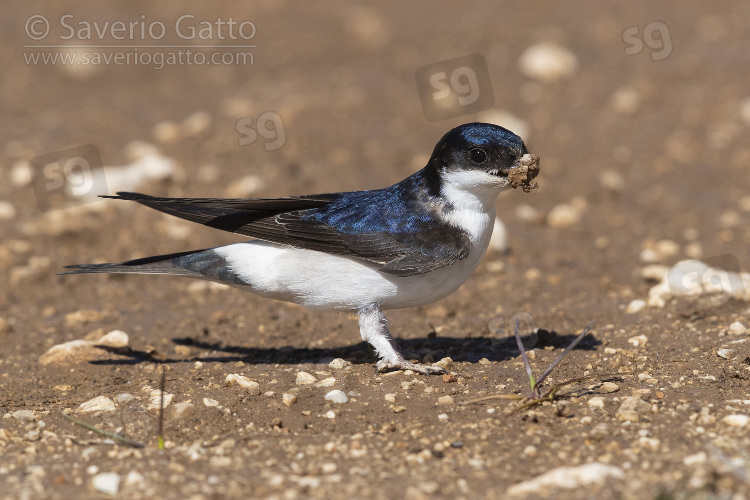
[459,349]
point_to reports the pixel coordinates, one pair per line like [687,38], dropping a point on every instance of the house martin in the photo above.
[406,245]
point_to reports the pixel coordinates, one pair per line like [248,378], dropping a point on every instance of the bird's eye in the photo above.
[477,156]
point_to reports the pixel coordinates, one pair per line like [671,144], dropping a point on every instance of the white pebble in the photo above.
[443,417]
[568,478]
[326,382]
[99,403]
[115,338]
[636,306]
[23,415]
[548,62]
[654,272]
[638,340]
[135,479]
[625,100]
[737,328]
[390,398]
[251,386]
[330,414]
[337,396]
[123,398]
[596,402]
[736,420]
[289,398]
[528,213]
[445,400]
[612,180]
[726,353]
[7,210]
[106,482]
[210,402]
[304,378]
[563,215]
[339,364]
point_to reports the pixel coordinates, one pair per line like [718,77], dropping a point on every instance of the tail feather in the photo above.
[203,264]
[159,264]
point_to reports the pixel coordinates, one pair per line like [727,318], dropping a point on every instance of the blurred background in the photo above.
[639,111]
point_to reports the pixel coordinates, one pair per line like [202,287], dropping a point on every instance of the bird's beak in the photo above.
[522,174]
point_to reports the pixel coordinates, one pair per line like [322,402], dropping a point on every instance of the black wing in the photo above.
[305,222]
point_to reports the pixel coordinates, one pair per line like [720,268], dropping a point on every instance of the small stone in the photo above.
[726,353]
[654,272]
[337,396]
[339,364]
[449,377]
[632,408]
[736,420]
[99,403]
[443,417]
[596,402]
[155,399]
[548,62]
[390,398]
[289,398]
[116,338]
[252,387]
[166,132]
[695,459]
[530,451]
[638,340]
[123,398]
[529,214]
[625,101]
[612,180]
[330,414]
[24,415]
[7,210]
[737,328]
[485,361]
[666,248]
[135,479]
[563,216]
[581,476]
[106,482]
[445,363]
[636,306]
[397,409]
[196,123]
[304,378]
[445,400]
[68,353]
[210,402]
[326,382]
[181,410]
[609,387]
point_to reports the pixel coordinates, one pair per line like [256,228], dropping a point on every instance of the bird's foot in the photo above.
[384,366]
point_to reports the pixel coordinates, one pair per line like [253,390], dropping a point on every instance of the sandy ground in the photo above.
[640,115]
